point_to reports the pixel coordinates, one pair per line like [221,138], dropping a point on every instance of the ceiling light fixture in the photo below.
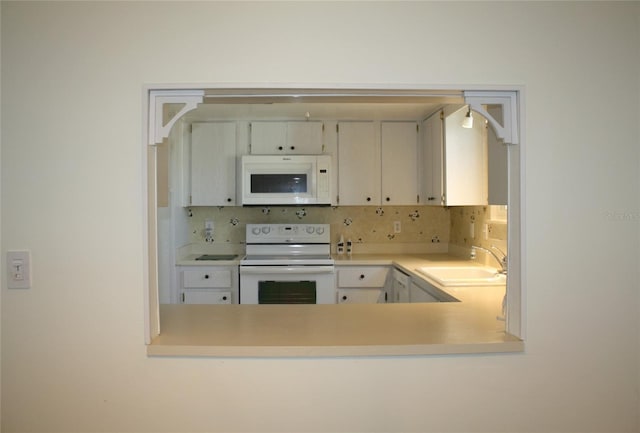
[468,119]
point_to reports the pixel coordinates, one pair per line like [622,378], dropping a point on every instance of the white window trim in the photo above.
[511,131]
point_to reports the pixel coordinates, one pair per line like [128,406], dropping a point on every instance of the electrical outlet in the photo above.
[397,227]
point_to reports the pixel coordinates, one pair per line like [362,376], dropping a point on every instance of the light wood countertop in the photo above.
[469,326]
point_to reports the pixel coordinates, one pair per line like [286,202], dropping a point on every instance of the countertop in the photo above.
[468,326]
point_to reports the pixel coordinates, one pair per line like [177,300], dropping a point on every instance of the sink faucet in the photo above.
[502,261]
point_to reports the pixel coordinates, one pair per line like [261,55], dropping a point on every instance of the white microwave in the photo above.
[286,180]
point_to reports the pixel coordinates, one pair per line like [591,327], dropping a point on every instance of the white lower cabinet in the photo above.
[208,284]
[206,296]
[400,285]
[362,284]
[421,294]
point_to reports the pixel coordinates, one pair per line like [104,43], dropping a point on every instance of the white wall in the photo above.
[73,357]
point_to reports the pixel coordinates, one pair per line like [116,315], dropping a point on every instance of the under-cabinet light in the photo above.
[468,119]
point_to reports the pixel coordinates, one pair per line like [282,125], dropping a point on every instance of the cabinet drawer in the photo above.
[205,296]
[368,295]
[206,278]
[370,276]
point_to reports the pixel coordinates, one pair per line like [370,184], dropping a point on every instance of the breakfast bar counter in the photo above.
[469,326]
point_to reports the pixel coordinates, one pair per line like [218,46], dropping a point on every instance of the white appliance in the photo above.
[288,264]
[286,180]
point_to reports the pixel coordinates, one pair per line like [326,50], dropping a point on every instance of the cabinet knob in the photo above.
[344,297]
[229,200]
[368,198]
[224,298]
[279,147]
[362,276]
[293,148]
[431,198]
[388,198]
[206,277]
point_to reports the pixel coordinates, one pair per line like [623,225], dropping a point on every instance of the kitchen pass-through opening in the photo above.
[165,109]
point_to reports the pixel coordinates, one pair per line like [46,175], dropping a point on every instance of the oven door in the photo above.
[287,285]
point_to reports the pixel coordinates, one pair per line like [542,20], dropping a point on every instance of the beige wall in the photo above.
[73,357]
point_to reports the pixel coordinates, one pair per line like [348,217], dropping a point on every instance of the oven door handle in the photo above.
[255,270]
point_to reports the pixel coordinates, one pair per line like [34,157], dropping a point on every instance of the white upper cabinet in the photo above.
[292,137]
[358,164]
[431,160]
[377,163]
[399,141]
[454,160]
[213,164]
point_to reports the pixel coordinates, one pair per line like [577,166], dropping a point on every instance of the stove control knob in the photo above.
[255,230]
[320,230]
[266,230]
[310,229]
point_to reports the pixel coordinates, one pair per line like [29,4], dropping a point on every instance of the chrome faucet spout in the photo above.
[502,261]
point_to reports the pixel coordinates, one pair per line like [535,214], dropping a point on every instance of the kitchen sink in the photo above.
[464,275]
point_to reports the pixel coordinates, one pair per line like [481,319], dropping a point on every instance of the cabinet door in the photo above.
[292,137]
[431,160]
[304,138]
[370,295]
[362,276]
[465,161]
[212,277]
[418,294]
[400,286]
[268,138]
[204,296]
[358,164]
[399,141]
[213,164]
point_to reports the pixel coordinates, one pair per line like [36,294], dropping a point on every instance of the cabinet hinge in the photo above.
[385,297]
[183,297]
[323,127]
[441,115]
[417,127]
[337,199]
[418,198]
[190,199]
[191,128]
[337,127]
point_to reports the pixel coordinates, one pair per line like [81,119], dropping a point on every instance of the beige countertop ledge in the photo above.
[468,326]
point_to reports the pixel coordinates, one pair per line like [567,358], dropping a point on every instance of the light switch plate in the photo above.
[18,270]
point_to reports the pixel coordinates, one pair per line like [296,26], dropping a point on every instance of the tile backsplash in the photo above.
[483,226]
[371,229]
[364,225]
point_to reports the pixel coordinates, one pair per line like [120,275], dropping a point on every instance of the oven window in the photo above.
[279,183]
[286,292]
